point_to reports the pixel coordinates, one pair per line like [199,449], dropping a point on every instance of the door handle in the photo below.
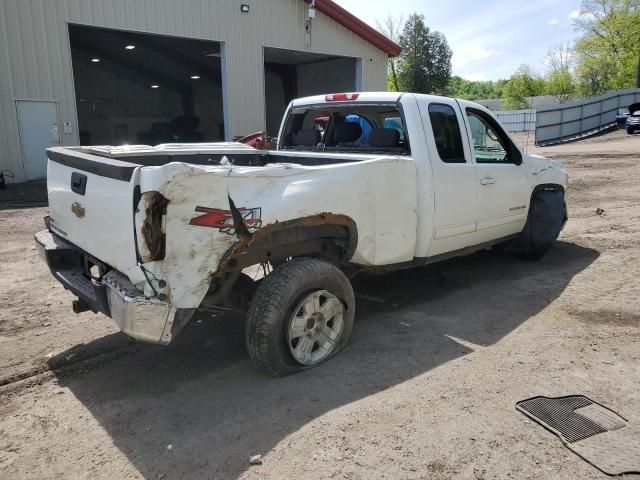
[78,183]
[487,181]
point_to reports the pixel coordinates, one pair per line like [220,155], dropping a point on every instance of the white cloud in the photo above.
[574,14]
[554,21]
[471,53]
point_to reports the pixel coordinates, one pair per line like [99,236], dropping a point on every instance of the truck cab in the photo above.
[474,184]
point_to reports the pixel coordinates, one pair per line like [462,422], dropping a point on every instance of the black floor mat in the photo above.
[597,434]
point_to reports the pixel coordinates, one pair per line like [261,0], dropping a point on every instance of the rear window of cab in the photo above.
[346,128]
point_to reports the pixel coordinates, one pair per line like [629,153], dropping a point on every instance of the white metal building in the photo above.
[150,71]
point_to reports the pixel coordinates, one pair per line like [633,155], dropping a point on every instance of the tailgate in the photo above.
[91,203]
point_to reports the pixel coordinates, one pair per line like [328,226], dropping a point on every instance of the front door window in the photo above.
[490,143]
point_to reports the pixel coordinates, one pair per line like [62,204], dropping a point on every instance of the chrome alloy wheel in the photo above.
[315,327]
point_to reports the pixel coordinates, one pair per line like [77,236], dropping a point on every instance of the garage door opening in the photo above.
[290,74]
[134,88]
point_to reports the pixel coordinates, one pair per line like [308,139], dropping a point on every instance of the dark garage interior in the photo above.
[290,74]
[134,88]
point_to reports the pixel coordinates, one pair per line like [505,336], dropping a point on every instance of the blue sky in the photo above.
[490,39]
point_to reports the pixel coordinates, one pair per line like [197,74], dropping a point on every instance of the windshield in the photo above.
[362,128]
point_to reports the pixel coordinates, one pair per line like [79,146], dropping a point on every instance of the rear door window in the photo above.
[446,132]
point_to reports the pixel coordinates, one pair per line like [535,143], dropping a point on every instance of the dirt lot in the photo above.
[426,388]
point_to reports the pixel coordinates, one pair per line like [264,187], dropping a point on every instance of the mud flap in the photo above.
[547,216]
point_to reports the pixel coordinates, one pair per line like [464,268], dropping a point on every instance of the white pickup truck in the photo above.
[359,182]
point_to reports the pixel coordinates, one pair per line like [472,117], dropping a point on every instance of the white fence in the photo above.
[518,120]
[582,118]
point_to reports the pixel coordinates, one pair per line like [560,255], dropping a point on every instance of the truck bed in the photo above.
[102,200]
[122,160]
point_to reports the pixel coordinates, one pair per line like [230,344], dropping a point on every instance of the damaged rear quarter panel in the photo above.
[379,195]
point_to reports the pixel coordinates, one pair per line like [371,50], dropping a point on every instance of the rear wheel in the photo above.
[547,215]
[301,315]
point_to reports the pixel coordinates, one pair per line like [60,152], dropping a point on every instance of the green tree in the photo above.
[560,56]
[595,75]
[560,82]
[522,84]
[424,65]
[500,86]
[391,27]
[560,85]
[608,52]
[469,90]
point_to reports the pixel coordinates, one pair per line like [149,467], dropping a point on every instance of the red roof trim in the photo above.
[357,26]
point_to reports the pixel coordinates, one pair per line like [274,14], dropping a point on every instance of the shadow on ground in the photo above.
[24,195]
[202,396]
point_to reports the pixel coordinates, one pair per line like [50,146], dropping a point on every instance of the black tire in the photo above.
[274,304]
[630,131]
[547,215]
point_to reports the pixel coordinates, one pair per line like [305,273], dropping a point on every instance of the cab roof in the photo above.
[371,97]
[362,97]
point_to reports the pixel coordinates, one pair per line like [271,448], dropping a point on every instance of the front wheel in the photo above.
[630,131]
[547,216]
[300,316]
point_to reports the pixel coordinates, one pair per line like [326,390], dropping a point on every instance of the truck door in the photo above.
[454,176]
[503,187]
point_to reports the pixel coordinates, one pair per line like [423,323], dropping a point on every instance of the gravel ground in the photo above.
[426,389]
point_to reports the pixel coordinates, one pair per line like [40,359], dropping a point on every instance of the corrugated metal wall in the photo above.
[35,58]
[517,120]
[574,120]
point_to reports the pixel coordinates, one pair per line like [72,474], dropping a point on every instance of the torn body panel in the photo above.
[326,235]
[150,214]
[222,219]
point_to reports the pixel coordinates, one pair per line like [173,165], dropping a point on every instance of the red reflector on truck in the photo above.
[341,97]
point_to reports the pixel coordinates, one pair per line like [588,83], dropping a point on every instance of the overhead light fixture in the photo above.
[244,8]
[95,60]
[155,86]
[195,77]
[130,47]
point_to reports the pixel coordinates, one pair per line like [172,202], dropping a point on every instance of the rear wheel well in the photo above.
[333,237]
[330,237]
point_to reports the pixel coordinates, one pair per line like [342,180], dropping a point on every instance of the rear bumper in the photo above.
[140,317]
